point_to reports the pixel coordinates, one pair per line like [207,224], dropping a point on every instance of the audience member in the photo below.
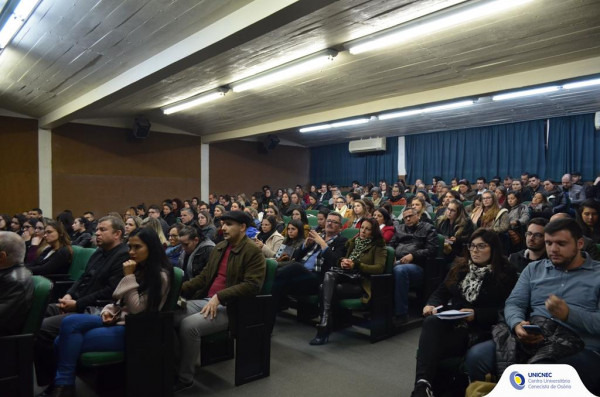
[155,224]
[539,207]
[321,219]
[93,223]
[58,254]
[518,216]
[340,206]
[456,227]
[143,288]
[16,223]
[478,284]
[397,197]
[561,296]
[294,238]
[16,285]
[587,218]
[269,239]
[174,249]
[235,269]
[588,244]
[131,223]
[576,192]
[188,217]
[464,188]
[385,224]
[81,236]
[168,215]
[154,212]
[490,215]
[501,195]
[5,220]
[358,214]
[365,255]
[196,249]
[415,243]
[102,274]
[206,225]
[534,241]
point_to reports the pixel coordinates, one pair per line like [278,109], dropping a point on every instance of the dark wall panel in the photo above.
[96,168]
[237,167]
[19,189]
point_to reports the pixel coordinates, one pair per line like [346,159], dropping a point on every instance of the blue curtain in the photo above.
[573,146]
[499,150]
[333,163]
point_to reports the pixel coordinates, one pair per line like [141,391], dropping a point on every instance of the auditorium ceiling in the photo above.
[108,61]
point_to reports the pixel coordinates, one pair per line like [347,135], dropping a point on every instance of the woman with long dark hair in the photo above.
[56,257]
[456,227]
[588,218]
[143,288]
[293,240]
[269,240]
[365,255]
[385,223]
[477,285]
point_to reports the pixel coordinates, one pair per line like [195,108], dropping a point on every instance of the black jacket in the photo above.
[420,240]
[16,296]
[103,273]
[520,259]
[57,263]
[198,261]
[82,239]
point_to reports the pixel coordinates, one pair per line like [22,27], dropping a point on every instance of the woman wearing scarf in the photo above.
[365,255]
[269,240]
[478,285]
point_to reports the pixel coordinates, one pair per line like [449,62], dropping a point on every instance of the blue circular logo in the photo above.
[517,380]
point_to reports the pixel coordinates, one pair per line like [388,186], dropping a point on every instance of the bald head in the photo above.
[560,215]
[12,249]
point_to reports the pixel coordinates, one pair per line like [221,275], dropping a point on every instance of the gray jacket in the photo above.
[420,240]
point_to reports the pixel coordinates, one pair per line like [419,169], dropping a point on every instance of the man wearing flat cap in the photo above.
[235,268]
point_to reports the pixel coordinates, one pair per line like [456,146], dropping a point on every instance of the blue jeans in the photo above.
[81,333]
[404,276]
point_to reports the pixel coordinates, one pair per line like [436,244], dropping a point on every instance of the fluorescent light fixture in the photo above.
[430,109]
[395,115]
[194,101]
[431,24]
[448,106]
[22,12]
[580,84]
[285,71]
[339,124]
[524,93]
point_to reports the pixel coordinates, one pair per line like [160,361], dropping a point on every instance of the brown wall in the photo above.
[19,190]
[96,168]
[237,167]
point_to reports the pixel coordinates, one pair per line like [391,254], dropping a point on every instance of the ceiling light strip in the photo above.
[525,93]
[338,124]
[581,84]
[429,109]
[285,71]
[431,24]
[194,101]
[21,14]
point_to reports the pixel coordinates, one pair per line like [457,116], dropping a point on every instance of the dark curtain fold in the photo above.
[498,150]
[333,163]
[573,145]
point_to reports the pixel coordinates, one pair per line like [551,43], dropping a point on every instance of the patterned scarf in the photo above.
[471,284]
[360,246]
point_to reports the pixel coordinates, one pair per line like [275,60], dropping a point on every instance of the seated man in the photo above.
[576,192]
[536,247]
[16,285]
[103,273]
[561,295]
[235,269]
[588,244]
[304,274]
[415,243]
[195,253]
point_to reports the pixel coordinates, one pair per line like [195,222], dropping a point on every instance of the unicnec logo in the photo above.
[517,380]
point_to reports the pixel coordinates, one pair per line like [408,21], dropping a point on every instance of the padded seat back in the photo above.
[81,256]
[350,232]
[173,296]
[41,295]
[312,212]
[269,276]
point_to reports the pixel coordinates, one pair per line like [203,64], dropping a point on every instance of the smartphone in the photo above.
[532,329]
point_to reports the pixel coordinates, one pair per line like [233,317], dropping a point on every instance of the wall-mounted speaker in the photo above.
[267,144]
[141,129]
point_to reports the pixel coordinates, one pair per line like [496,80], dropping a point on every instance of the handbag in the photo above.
[114,314]
[347,274]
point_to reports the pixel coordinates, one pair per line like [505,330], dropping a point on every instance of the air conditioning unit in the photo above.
[367,145]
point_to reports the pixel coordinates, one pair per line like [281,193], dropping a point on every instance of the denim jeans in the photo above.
[404,276]
[80,333]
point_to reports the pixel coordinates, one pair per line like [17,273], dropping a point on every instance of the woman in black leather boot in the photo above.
[365,255]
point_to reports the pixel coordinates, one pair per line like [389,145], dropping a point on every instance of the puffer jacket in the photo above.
[559,341]
[420,241]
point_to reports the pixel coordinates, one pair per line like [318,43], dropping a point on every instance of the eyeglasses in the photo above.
[534,235]
[332,222]
[341,202]
[478,247]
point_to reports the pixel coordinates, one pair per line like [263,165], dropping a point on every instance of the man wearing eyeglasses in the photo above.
[317,255]
[415,242]
[536,248]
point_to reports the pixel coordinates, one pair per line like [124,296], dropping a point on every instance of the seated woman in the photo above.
[174,249]
[587,218]
[340,206]
[313,202]
[517,186]
[478,284]
[296,200]
[37,243]
[5,220]
[155,225]
[81,236]
[132,222]
[423,195]
[358,214]
[273,210]
[500,193]
[490,215]
[256,205]
[397,196]
[418,204]
[237,206]
[293,240]
[219,211]
[286,206]
[300,215]
[386,226]
[143,288]
[540,207]
[17,222]
[518,216]
[57,256]
[456,227]
[365,255]
[465,190]
[254,214]
[206,225]
[269,240]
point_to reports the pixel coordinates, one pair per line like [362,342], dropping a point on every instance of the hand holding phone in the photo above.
[532,329]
